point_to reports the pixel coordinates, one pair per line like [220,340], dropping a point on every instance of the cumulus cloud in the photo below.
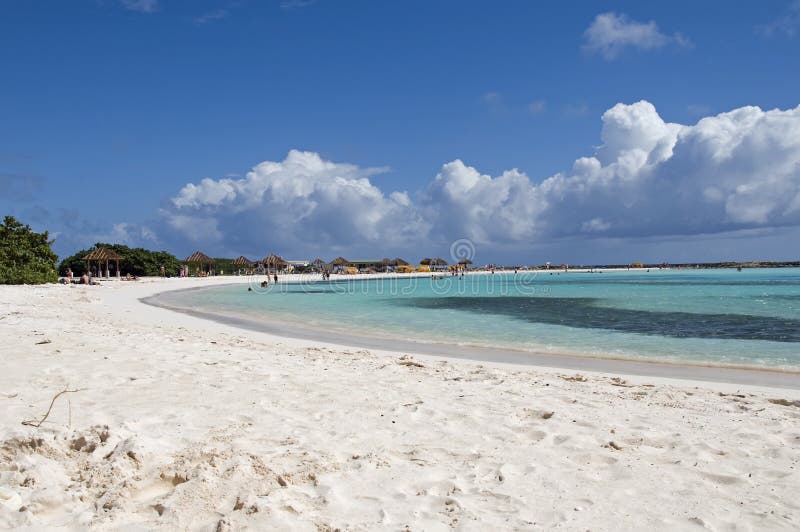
[303,198]
[130,234]
[610,33]
[731,172]
[462,201]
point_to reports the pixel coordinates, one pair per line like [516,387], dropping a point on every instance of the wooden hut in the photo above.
[102,256]
[203,263]
[274,262]
[339,263]
[319,264]
[243,261]
[438,264]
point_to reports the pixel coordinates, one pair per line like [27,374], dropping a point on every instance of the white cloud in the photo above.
[732,171]
[142,6]
[735,171]
[197,228]
[610,33]
[463,202]
[302,198]
[130,235]
[595,225]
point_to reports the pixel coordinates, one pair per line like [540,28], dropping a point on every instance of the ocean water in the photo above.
[721,317]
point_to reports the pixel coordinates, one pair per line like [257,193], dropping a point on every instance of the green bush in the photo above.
[25,256]
[225,266]
[135,261]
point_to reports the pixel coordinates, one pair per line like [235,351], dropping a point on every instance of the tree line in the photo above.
[135,261]
[26,257]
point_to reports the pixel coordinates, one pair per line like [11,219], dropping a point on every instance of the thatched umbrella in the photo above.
[465,262]
[201,259]
[338,264]
[400,262]
[273,261]
[101,255]
[439,262]
[242,261]
[319,264]
[426,261]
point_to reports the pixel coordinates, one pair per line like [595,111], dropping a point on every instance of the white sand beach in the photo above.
[182,423]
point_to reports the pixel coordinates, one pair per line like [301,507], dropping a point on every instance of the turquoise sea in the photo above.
[749,317]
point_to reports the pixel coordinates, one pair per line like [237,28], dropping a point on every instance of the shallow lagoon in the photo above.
[749,317]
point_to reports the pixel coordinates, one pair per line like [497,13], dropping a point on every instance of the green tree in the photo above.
[224,265]
[25,255]
[135,261]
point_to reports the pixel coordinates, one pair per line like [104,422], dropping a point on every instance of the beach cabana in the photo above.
[339,263]
[102,256]
[273,261]
[243,263]
[320,265]
[202,262]
[438,264]
[366,264]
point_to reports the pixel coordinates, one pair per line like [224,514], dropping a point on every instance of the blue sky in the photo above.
[111,108]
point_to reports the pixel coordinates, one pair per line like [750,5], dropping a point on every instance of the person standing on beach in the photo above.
[275,278]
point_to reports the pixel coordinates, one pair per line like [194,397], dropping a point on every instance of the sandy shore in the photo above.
[190,424]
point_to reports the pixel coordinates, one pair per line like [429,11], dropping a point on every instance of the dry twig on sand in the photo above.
[38,423]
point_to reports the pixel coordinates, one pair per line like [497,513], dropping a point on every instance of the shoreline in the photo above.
[763,376]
